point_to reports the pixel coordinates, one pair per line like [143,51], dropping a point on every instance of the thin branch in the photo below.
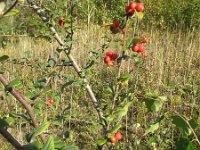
[45,19]
[23,101]
[11,7]
[187,122]
[11,139]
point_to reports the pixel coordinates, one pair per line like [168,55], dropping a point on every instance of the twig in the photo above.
[45,19]
[11,7]
[186,121]
[11,139]
[23,101]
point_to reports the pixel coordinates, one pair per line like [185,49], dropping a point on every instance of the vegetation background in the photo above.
[171,69]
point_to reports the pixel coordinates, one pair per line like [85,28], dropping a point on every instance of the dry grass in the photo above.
[173,61]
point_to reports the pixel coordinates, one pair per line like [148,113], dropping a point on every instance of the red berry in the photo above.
[50,101]
[116,23]
[61,21]
[110,54]
[135,48]
[129,11]
[132,5]
[140,48]
[112,139]
[118,136]
[114,56]
[107,59]
[139,7]
[110,63]
[114,29]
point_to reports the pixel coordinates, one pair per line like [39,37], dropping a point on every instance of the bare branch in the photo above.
[11,139]
[23,101]
[45,19]
[9,9]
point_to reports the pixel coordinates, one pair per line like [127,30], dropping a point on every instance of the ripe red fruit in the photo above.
[50,101]
[116,23]
[132,5]
[140,48]
[118,136]
[112,139]
[114,29]
[135,48]
[110,53]
[110,63]
[139,7]
[129,11]
[114,56]
[107,59]
[61,21]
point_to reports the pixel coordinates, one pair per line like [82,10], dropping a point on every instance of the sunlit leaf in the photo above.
[152,128]
[49,145]
[13,84]
[101,141]
[39,130]
[12,12]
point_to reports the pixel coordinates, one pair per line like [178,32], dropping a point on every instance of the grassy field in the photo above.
[172,69]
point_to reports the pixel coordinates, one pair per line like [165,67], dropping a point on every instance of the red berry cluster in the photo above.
[110,58]
[61,22]
[50,101]
[116,27]
[116,137]
[133,6]
[139,47]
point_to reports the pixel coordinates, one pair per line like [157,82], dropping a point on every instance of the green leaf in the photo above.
[115,129]
[124,78]
[194,123]
[185,144]
[152,128]
[6,122]
[70,148]
[66,85]
[121,111]
[149,103]
[21,1]
[49,145]
[38,131]
[58,144]
[13,84]
[156,106]
[4,58]
[181,124]
[101,141]
[89,64]
[12,12]
[33,146]
[51,62]
[154,102]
